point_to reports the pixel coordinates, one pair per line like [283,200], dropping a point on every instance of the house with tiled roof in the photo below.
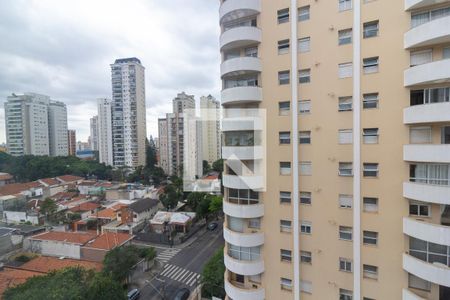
[12,277]
[6,178]
[96,249]
[85,209]
[67,179]
[28,189]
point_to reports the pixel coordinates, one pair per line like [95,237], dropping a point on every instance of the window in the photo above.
[251,52]
[284,108]
[424,17]
[345,233]
[305,198]
[370,271]
[345,201]
[305,168]
[255,278]
[370,204]
[285,197]
[437,174]
[420,135]
[283,16]
[345,136]
[304,106]
[286,284]
[370,237]
[305,257]
[370,170]
[419,209]
[306,286]
[244,253]
[304,76]
[345,169]
[285,226]
[427,96]
[305,227]
[345,264]
[286,255]
[283,46]
[283,77]
[345,294]
[370,135]
[285,168]
[303,13]
[345,70]
[420,57]
[284,137]
[370,100]
[304,137]
[345,5]
[370,29]
[370,65]
[304,44]
[345,36]
[254,223]
[418,283]
[345,103]
[446,53]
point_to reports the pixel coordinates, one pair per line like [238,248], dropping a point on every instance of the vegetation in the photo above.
[170,197]
[218,166]
[212,276]
[204,204]
[206,167]
[30,168]
[216,204]
[71,283]
[48,208]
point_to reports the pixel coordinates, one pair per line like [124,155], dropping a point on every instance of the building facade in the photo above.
[104,134]
[35,125]
[128,112]
[94,133]
[210,116]
[356,94]
[72,141]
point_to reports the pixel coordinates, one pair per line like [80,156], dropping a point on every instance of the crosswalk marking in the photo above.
[180,274]
[167,255]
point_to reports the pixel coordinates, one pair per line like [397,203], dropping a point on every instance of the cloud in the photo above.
[64,49]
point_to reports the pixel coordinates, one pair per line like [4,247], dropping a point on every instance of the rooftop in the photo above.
[49,181]
[86,206]
[172,217]
[79,238]
[5,176]
[109,240]
[127,60]
[13,277]
[143,204]
[107,213]
[17,188]
[46,264]
[69,178]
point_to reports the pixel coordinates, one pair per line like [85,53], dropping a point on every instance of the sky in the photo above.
[64,48]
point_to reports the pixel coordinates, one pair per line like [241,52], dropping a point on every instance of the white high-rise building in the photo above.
[104,131]
[210,115]
[35,125]
[57,128]
[128,112]
[94,133]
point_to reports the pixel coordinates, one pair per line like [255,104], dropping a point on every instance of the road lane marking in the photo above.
[167,269]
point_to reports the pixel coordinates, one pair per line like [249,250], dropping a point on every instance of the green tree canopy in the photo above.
[206,167]
[212,276]
[170,197]
[69,284]
[218,165]
[215,205]
[194,198]
[119,261]
[48,207]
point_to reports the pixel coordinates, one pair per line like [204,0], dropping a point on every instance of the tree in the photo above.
[119,261]
[218,165]
[48,207]
[206,167]
[215,206]
[71,283]
[170,197]
[203,207]
[212,276]
[148,254]
[194,198]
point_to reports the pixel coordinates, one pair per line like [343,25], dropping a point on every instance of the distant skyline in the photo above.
[64,50]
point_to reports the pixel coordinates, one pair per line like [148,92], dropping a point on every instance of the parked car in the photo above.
[212,226]
[182,294]
[134,294]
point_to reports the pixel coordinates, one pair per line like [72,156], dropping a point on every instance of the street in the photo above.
[181,268]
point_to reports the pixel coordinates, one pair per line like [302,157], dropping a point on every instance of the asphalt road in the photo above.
[181,268]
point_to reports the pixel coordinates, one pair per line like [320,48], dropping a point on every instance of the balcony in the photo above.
[431,33]
[427,153]
[433,272]
[439,194]
[243,182]
[235,291]
[408,295]
[236,9]
[243,267]
[241,94]
[243,152]
[427,113]
[433,233]
[239,37]
[243,239]
[435,72]
[243,211]
[240,66]
[242,123]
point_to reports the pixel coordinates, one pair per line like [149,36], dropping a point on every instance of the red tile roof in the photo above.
[49,181]
[88,183]
[13,277]
[17,188]
[46,264]
[107,213]
[109,240]
[79,238]
[86,206]
[63,196]
[69,178]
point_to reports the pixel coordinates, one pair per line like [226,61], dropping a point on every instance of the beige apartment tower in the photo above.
[356,200]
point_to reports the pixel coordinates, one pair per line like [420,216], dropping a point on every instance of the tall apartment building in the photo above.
[94,133]
[211,139]
[356,95]
[72,141]
[104,127]
[128,112]
[35,125]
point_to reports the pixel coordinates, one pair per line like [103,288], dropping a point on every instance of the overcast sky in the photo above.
[64,48]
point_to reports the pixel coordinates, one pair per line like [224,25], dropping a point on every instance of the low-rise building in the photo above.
[18,217]
[165,221]
[6,178]
[96,249]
